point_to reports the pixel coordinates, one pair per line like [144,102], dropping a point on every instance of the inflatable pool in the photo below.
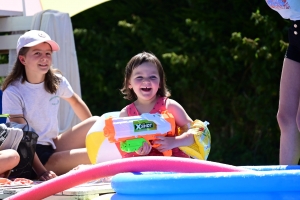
[259,182]
[162,177]
[263,183]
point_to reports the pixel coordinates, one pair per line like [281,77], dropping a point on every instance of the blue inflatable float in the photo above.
[162,177]
[264,182]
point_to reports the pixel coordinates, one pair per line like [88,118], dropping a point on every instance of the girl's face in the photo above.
[37,62]
[144,81]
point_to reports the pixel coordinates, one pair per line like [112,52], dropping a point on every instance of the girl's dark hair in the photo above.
[136,61]
[18,71]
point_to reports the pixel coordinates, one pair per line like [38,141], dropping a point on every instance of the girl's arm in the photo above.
[181,119]
[42,173]
[17,118]
[79,107]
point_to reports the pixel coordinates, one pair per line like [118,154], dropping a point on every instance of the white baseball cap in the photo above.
[35,37]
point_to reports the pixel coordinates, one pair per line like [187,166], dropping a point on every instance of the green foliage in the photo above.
[222,61]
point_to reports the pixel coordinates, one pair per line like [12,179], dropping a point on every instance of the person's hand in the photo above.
[145,149]
[47,175]
[163,143]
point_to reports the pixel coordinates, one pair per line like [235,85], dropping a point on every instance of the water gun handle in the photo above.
[134,145]
[168,153]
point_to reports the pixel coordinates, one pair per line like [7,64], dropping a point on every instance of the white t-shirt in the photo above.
[288,9]
[39,107]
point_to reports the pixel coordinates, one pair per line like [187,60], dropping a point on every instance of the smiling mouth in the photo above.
[146,89]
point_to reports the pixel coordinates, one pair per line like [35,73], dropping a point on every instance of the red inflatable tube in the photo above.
[110,168]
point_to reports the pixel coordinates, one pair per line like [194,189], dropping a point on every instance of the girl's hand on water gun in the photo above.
[145,149]
[163,143]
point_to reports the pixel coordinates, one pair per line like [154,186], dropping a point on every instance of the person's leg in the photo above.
[74,138]
[9,158]
[70,148]
[64,161]
[287,112]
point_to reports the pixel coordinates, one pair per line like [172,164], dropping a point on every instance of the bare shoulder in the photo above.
[123,113]
[171,104]
[180,115]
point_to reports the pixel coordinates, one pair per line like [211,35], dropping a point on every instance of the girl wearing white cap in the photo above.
[33,90]
[288,115]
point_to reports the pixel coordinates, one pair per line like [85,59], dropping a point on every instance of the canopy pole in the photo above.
[24,8]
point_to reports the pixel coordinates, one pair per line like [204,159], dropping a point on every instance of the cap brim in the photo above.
[54,45]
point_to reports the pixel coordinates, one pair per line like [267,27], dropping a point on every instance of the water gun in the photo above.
[133,131]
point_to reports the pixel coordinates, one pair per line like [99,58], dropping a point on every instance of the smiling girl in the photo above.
[33,90]
[144,82]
